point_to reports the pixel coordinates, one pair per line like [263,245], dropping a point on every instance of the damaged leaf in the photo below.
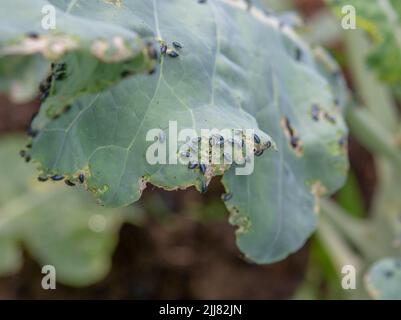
[236,69]
[99,51]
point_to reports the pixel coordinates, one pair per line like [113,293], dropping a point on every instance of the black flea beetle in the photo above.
[42,178]
[57,177]
[177,45]
[81,178]
[173,54]
[192,165]
[227,196]
[32,133]
[202,168]
[203,186]
[69,183]
[256,138]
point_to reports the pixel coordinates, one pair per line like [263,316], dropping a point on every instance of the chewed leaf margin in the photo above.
[103,53]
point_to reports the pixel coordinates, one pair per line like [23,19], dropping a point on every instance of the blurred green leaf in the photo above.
[383,280]
[350,198]
[55,223]
[381,20]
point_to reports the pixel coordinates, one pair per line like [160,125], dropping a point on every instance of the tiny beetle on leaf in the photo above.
[256,138]
[203,186]
[177,45]
[227,196]
[57,177]
[69,183]
[192,165]
[202,168]
[81,178]
[173,54]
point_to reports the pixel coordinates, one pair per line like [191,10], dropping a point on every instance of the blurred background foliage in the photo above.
[179,245]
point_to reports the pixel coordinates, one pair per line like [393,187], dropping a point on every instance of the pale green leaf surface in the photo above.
[383,280]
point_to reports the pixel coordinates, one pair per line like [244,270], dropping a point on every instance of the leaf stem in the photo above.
[372,134]
[339,250]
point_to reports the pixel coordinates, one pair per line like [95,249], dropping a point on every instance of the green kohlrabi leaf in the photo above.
[57,226]
[100,52]
[237,69]
[383,281]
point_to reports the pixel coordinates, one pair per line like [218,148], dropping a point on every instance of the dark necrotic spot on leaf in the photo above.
[292,136]
[57,177]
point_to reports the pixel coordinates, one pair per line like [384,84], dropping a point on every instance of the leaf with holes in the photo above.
[236,69]
[100,52]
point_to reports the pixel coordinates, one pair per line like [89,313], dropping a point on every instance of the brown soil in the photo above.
[187,261]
